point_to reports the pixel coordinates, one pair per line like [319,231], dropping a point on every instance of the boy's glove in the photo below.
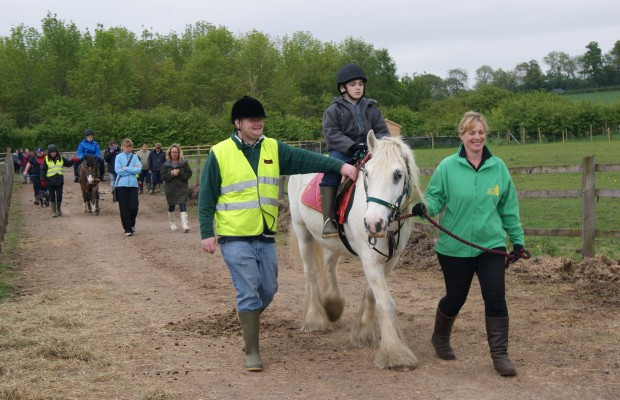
[358,148]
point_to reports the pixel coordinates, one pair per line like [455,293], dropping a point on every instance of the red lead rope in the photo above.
[523,253]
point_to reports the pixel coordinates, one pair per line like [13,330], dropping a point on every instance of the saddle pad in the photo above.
[311,196]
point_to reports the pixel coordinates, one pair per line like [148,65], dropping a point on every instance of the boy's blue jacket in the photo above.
[87,148]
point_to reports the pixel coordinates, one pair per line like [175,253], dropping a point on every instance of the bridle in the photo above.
[393,237]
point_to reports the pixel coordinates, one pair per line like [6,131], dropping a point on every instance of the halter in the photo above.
[393,237]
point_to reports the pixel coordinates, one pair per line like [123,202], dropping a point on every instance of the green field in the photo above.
[603,97]
[555,213]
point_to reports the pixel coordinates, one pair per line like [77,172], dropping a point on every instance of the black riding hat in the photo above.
[348,73]
[89,132]
[247,107]
[52,148]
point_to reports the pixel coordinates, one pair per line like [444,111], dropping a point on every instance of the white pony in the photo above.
[388,186]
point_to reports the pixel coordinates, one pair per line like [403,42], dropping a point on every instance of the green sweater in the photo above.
[480,206]
[292,161]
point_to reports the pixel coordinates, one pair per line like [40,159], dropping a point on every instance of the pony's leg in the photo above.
[315,317]
[333,300]
[97,201]
[393,353]
[85,198]
[364,327]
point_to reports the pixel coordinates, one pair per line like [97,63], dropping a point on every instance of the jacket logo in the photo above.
[266,161]
[494,191]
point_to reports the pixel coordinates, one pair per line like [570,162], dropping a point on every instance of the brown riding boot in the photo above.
[497,335]
[328,195]
[441,336]
[250,328]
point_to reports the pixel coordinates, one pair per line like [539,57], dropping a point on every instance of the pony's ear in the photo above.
[371,140]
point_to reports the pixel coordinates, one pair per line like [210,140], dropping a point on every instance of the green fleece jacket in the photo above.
[292,161]
[479,206]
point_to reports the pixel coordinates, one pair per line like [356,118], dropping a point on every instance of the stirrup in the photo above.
[329,235]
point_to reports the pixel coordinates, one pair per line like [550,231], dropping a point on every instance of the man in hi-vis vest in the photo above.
[239,189]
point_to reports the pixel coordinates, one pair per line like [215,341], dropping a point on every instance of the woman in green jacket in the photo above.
[474,191]
[175,172]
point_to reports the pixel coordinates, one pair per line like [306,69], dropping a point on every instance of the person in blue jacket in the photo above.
[88,147]
[127,165]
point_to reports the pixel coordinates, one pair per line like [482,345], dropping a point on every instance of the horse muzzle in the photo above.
[377,229]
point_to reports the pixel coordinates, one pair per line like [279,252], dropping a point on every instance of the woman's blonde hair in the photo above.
[127,141]
[169,157]
[469,120]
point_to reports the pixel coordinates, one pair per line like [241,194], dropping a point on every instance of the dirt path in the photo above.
[151,316]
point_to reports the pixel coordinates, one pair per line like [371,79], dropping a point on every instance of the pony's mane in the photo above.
[387,150]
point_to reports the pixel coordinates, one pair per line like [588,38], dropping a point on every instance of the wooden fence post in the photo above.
[590,132]
[197,169]
[587,207]
[539,138]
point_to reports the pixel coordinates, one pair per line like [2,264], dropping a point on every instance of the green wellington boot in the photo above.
[250,327]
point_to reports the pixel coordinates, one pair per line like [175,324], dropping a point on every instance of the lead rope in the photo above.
[522,254]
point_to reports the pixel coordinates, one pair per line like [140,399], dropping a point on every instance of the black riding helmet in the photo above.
[247,107]
[88,132]
[51,148]
[348,73]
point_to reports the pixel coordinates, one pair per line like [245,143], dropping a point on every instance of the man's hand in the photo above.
[208,245]
[349,171]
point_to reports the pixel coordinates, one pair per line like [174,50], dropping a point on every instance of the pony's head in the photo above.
[391,180]
[89,170]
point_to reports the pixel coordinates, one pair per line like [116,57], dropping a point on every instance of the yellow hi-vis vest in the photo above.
[246,199]
[53,167]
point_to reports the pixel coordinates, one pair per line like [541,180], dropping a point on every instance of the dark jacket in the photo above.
[156,160]
[57,179]
[339,128]
[176,187]
[109,157]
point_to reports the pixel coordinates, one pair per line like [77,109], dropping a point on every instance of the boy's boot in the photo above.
[441,336]
[250,327]
[497,335]
[184,221]
[328,194]
[173,225]
[53,207]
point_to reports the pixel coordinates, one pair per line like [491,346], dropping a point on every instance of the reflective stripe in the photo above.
[242,205]
[53,168]
[269,201]
[237,187]
[269,180]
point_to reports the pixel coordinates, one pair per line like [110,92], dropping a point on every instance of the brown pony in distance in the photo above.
[89,183]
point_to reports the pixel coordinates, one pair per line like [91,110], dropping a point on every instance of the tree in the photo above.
[505,79]
[530,76]
[457,81]
[106,75]
[484,76]
[592,63]
[24,81]
[60,46]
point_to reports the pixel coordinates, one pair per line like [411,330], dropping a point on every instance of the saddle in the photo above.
[311,196]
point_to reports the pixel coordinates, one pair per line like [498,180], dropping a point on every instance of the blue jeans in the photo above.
[253,267]
[333,178]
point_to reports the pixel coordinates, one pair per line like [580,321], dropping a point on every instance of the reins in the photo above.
[522,254]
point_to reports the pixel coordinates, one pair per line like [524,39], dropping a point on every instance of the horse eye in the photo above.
[398,174]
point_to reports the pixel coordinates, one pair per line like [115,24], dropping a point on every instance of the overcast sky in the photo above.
[421,36]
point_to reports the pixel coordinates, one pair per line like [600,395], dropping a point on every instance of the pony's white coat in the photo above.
[322,306]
